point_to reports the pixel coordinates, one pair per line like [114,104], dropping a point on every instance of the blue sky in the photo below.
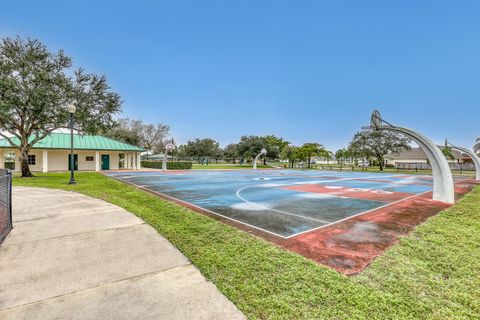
[309,71]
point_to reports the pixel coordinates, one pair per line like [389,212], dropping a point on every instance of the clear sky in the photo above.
[308,71]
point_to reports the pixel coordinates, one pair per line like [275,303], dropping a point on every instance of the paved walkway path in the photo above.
[70,256]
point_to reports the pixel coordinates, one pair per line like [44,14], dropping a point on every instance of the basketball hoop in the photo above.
[170,147]
[376,119]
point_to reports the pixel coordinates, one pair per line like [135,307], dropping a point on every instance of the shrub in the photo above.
[177,165]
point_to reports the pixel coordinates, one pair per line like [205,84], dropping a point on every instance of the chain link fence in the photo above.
[5,203]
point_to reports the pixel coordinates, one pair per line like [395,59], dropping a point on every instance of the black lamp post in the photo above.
[71,109]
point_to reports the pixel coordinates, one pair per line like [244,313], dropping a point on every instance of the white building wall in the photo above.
[394,161]
[83,164]
[114,159]
[58,159]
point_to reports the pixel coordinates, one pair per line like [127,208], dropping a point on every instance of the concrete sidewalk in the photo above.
[70,256]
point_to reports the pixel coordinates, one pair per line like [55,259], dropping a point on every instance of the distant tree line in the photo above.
[249,146]
[366,145]
[151,137]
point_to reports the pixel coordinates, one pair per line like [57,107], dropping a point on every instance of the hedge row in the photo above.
[177,165]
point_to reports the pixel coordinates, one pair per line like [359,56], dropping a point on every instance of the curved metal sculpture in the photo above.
[471,154]
[443,187]
[168,147]
[263,152]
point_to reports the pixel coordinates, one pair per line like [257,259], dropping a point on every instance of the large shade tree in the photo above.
[127,130]
[200,148]
[149,136]
[313,149]
[250,146]
[35,87]
[274,146]
[377,144]
[231,152]
[154,137]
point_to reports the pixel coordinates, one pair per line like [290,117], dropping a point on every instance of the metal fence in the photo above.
[5,203]
[426,166]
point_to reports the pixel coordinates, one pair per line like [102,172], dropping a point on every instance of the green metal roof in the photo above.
[80,142]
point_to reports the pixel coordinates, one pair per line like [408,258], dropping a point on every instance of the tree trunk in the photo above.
[380,162]
[309,160]
[26,173]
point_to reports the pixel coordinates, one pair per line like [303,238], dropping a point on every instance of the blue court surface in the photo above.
[281,202]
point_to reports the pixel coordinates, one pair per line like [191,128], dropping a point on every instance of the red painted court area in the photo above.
[350,246]
[340,219]
[354,193]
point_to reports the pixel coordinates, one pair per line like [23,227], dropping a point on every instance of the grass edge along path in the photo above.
[432,273]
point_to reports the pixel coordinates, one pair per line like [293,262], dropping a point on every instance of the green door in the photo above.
[105,162]
[75,162]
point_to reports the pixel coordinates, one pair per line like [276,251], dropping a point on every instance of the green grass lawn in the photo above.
[226,166]
[432,274]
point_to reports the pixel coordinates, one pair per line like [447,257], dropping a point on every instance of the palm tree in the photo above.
[328,155]
[308,150]
[339,156]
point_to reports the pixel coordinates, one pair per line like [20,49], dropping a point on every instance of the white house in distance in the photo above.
[418,156]
[91,153]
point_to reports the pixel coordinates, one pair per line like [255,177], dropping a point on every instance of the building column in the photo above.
[129,161]
[139,164]
[134,161]
[18,163]
[2,159]
[97,161]
[44,160]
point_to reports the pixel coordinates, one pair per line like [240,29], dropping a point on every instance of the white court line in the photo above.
[364,212]
[289,213]
[267,231]
[188,204]
[270,209]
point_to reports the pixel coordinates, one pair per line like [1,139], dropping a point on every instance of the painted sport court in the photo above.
[341,219]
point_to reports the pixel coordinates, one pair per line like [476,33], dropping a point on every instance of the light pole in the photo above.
[71,109]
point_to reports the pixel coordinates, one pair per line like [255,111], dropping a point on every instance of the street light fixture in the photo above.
[71,109]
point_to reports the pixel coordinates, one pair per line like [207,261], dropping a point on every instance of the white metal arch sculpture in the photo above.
[443,187]
[168,147]
[263,152]
[471,154]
